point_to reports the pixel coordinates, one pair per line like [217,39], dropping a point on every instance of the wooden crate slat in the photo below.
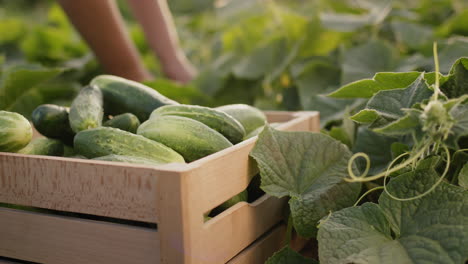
[262,249]
[118,191]
[175,196]
[237,227]
[56,240]
[219,177]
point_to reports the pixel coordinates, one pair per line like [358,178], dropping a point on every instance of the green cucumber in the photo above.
[241,197]
[87,110]
[52,121]
[217,120]
[129,159]
[126,96]
[77,157]
[128,122]
[190,138]
[68,151]
[103,141]
[15,131]
[258,130]
[249,116]
[44,146]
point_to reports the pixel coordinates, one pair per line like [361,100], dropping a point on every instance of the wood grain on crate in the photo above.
[119,190]
[246,223]
[262,249]
[175,196]
[53,239]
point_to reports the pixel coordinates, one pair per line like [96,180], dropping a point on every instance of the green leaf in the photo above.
[457,83]
[345,132]
[243,37]
[308,167]
[235,91]
[398,149]
[459,113]
[183,94]
[377,146]
[382,81]
[344,22]
[17,82]
[463,177]
[262,60]
[292,173]
[366,116]
[450,53]
[288,256]
[456,25]
[12,30]
[341,135]
[412,35]
[56,91]
[405,125]
[316,78]
[350,231]
[388,105]
[432,229]
[308,209]
[365,60]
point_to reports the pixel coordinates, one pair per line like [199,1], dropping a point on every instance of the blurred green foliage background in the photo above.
[283,54]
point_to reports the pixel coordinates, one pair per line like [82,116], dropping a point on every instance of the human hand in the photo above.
[180,70]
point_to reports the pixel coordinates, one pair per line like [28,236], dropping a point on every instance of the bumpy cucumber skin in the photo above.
[44,146]
[249,116]
[15,131]
[103,141]
[129,159]
[192,139]
[87,109]
[225,124]
[52,121]
[127,122]
[126,96]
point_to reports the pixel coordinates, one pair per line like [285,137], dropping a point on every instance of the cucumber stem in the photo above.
[289,231]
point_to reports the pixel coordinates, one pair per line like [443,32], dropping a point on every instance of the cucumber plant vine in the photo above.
[422,119]
[437,124]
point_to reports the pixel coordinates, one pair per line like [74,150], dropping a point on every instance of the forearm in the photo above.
[156,20]
[100,24]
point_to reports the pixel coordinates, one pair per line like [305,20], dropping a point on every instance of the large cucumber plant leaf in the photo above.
[387,105]
[459,113]
[457,84]
[309,168]
[431,229]
[367,88]
[377,146]
[365,60]
[23,87]
[313,80]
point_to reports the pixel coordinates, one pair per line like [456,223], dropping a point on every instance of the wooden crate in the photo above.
[175,196]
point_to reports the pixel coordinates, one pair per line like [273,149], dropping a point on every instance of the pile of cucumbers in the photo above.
[116,119]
